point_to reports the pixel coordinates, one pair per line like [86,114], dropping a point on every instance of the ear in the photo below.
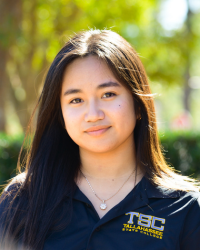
[137,108]
[138,112]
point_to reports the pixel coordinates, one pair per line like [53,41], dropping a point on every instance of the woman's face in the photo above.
[93,99]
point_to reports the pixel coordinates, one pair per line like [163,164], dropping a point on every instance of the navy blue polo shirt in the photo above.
[148,218]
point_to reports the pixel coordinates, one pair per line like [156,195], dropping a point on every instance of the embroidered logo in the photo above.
[145,224]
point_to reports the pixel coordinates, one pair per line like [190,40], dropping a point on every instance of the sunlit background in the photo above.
[165,33]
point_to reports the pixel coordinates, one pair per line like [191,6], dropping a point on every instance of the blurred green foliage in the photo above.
[9,151]
[181,150]
[32,32]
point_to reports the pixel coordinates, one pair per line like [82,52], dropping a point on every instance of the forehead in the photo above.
[89,70]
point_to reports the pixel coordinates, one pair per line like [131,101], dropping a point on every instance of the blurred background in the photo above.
[165,33]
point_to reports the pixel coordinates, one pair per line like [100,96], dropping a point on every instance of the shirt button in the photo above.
[97,229]
[88,205]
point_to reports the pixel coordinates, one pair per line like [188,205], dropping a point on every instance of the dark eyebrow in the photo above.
[108,84]
[101,86]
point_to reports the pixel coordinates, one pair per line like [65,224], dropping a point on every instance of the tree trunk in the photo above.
[10,18]
[187,89]
[3,83]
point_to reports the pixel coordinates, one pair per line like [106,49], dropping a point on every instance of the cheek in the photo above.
[71,119]
[126,107]
[127,116]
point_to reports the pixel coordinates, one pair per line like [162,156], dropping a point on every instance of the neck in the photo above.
[118,163]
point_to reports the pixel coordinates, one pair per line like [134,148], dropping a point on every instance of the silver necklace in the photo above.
[103,205]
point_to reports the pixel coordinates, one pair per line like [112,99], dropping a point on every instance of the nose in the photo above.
[94,112]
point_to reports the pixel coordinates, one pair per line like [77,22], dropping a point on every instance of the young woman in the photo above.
[95,177]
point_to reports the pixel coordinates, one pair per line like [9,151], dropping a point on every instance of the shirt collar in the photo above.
[153,191]
[145,189]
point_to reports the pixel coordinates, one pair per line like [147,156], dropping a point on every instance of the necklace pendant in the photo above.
[103,206]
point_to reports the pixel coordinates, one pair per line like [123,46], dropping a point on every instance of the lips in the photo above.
[98,130]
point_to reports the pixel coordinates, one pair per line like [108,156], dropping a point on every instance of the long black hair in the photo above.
[53,161]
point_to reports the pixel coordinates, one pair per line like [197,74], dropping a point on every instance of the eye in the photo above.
[74,101]
[109,94]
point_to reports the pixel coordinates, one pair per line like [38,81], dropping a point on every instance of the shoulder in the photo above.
[193,196]
[7,197]
[15,182]
[10,194]
[190,235]
[180,209]
[193,199]
[184,199]
[14,185]
[171,188]
[12,188]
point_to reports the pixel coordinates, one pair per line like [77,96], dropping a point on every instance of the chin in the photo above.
[99,148]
